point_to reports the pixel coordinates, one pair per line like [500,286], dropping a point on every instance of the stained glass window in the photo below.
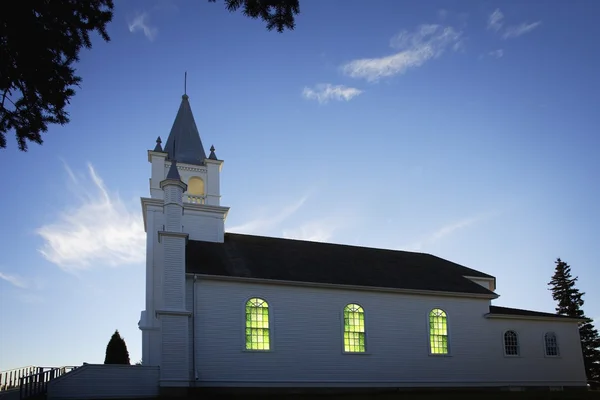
[257,325]
[354,329]
[438,332]
[511,343]
[551,344]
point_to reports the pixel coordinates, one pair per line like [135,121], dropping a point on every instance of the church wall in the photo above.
[189,295]
[532,362]
[201,226]
[307,348]
[151,333]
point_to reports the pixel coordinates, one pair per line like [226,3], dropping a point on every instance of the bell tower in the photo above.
[184,204]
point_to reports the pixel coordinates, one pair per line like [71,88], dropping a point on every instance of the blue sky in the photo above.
[466,129]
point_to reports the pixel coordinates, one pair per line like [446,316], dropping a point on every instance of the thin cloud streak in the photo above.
[496,53]
[313,231]
[518,30]
[140,22]
[446,231]
[496,23]
[427,42]
[14,280]
[100,230]
[325,92]
[264,224]
[495,20]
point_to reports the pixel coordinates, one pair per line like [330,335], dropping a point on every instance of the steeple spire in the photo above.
[184,144]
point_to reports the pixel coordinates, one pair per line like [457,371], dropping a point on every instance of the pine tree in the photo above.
[570,303]
[116,350]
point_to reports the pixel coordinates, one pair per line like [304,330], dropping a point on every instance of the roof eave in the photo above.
[556,318]
[157,154]
[490,296]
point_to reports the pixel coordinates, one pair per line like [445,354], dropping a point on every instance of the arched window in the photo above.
[257,325]
[438,332]
[511,343]
[354,329]
[196,186]
[551,344]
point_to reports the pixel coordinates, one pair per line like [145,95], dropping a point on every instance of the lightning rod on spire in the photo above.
[185,83]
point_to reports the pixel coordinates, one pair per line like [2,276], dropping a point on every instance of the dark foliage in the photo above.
[278,14]
[39,43]
[570,302]
[116,350]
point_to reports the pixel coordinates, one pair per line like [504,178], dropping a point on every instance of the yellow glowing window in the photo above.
[257,325]
[438,332]
[196,186]
[354,329]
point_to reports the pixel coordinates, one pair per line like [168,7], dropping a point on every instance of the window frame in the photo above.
[555,344]
[428,333]
[518,343]
[270,326]
[343,329]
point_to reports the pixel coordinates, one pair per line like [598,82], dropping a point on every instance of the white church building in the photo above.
[227,310]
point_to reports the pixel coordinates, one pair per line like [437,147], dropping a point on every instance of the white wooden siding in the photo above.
[175,349]
[106,382]
[173,272]
[307,348]
[202,226]
[188,306]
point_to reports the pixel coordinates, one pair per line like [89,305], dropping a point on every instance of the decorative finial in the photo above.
[185,83]
[158,147]
[173,172]
[212,155]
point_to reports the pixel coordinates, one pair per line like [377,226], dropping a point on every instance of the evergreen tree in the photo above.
[116,350]
[569,303]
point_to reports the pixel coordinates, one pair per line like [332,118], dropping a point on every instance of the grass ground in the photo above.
[403,395]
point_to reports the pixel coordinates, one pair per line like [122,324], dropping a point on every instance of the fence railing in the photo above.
[10,379]
[36,383]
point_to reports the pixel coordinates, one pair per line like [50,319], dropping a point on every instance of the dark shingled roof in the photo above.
[303,261]
[525,313]
[183,143]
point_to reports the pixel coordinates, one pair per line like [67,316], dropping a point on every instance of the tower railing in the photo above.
[194,198]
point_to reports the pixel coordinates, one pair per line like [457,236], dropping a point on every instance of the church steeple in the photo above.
[184,144]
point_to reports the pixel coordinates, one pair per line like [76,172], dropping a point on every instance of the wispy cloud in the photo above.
[14,280]
[496,23]
[265,223]
[325,91]
[314,231]
[518,30]
[141,23]
[445,231]
[100,230]
[495,20]
[427,42]
[496,53]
